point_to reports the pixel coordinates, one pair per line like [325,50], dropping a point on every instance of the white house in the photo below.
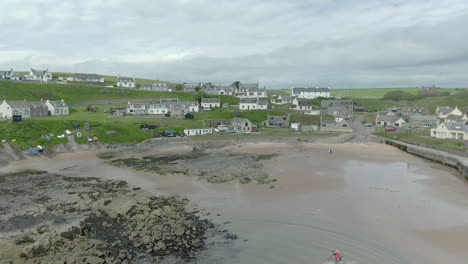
[241,125]
[389,120]
[250,90]
[25,109]
[249,103]
[210,102]
[6,74]
[127,82]
[39,75]
[301,104]
[310,93]
[88,77]
[156,86]
[443,111]
[451,131]
[137,109]
[57,107]
[314,112]
[198,131]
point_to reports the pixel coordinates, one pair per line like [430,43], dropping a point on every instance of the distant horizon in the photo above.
[229,83]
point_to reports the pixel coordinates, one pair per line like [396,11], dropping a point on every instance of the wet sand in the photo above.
[372,201]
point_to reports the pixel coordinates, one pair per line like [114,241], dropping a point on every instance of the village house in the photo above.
[429,91]
[314,112]
[250,90]
[39,75]
[340,125]
[310,93]
[455,118]
[198,131]
[25,109]
[242,125]
[210,102]
[301,104]
[389,121]
[156,86]
[443,111]
[281,100]
[215,123]
[348,104]
[120,111]
[339,111]
[423,121]
[17,77]
[88,77]
[164,106]
[6,74]
[408,111]
[226,90]
[190,87]
[127,82]
[57,107]
[137,108]
[250,103]
[66,78]
[451,131]
[277,121]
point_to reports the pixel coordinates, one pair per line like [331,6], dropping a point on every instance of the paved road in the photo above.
[361,134]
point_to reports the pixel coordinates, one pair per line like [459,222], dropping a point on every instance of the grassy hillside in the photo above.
[460,99]
[377,93]
[107,78]
[77,93]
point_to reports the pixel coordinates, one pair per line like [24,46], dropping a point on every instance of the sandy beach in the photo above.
[372,201]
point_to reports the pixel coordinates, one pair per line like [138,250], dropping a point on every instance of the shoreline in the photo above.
[313,193]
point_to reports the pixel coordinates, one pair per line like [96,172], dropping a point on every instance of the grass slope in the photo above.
[77,93]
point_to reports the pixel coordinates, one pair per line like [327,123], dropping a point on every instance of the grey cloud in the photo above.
[279,43]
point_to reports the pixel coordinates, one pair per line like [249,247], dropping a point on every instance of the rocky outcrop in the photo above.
[213,167]
[50,218]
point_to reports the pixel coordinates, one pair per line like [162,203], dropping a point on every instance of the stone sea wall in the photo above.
[455,161]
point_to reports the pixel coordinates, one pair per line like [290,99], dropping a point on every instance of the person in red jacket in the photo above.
[336,256]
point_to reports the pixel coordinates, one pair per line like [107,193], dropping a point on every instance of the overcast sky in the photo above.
[336,43]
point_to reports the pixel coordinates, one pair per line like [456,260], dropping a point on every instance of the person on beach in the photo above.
[336,256]
[330,151]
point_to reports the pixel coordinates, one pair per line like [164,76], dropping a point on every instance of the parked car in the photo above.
[390,129]
[206,108]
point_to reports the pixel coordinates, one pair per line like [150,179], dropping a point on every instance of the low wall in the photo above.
[455,161]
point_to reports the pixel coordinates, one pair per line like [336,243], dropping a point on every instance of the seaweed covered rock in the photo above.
[50,218]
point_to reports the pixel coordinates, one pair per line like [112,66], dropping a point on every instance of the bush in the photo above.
[399,96]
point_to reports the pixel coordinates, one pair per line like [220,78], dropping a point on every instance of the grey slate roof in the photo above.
[249,100]
[19,104]
[58,104]
[444,109]
[304,102]
[39,72]
[391,118]
[125,79]
[263,102]
[87,76]
[454,118]
[240,120]
[309,90]
[327,103]
[154,84]
[457,126]
[211,100]
[423,118]
[248,86]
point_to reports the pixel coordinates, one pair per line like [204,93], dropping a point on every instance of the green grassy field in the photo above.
[77,93]
[377,93]
[423,140]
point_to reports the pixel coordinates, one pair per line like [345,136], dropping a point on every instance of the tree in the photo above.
[179,87]
[197,88]
[236,84]
[399,96]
